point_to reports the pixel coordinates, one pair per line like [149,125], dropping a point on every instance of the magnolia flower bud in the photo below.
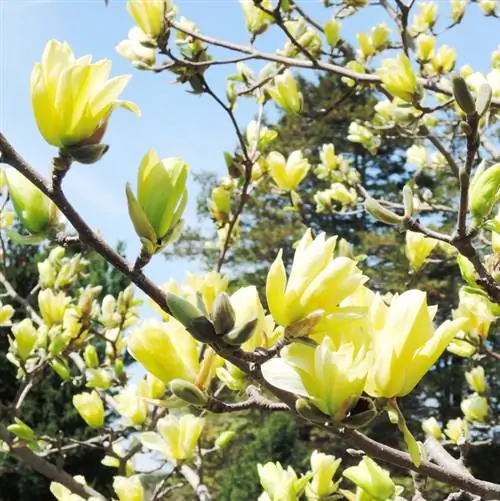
[128,488]
[35,211]
[91,357]
[188,392]
[379,212]
[224,438]
[483,100]
[21,430]
[25,336]
[371,478]
[223,314]
[161,198]
[241,333]
[485,192]
[431,427]
[462,95]
[332,32]
[90,408]
[476,380]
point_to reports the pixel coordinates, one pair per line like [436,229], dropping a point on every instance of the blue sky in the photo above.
[174,122]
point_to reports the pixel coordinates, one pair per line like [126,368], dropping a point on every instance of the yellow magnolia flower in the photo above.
[328,157]
[157,209]
[131,405]
[52,306]
[246,305]
[286,93]
[476,380]
[477,310]
[287,173]
[280,484]
[256,20]
[416,155]
[380,36]
[425,47]
[317,281]
[372,479]
[166,350]
[323,467]
[150,15]
[62,493]
[443,61]
[457,430]
[177,436]
[128,488]
[398,78]
[135,51]
[73,98]
[432,428]
[209,286]
[458,10]
[90,408]
[407,346]
[360,134]
[25,338]
[488,7]
[366,48]
[332,378]
[475,408]
[418,247]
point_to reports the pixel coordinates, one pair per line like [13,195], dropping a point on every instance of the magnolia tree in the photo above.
[329,350]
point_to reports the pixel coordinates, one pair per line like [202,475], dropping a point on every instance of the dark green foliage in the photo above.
[48,408]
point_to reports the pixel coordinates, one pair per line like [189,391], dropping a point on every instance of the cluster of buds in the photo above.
[305,35]
[369,45]
[59,271]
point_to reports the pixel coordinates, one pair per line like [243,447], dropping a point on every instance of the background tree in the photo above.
[49,410]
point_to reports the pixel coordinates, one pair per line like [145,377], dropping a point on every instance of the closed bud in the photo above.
[182,310]
[35,211]
[61,369]
[90,408]
[21,430]
[483,100]
[188,392]
[86,154]
[223,314]
[408,200]
[202,330]
[379,212]
[380,36]
[220,204]
[485,192]
[242,333]
[432,428]
[332,32]
[476,380]
[161,198]
[91,357]
[137,49]
[309,411]
[224,438]
[467,270]
[462,95]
